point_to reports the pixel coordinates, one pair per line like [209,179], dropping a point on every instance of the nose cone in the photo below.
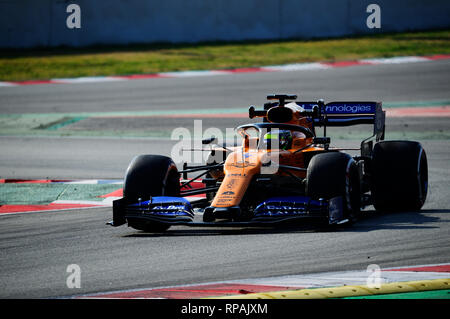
[239,170]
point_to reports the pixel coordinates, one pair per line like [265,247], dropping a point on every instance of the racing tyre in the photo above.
[399,176]
[335,174]
[150,175]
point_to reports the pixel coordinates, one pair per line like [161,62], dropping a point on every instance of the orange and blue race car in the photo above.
[282,173]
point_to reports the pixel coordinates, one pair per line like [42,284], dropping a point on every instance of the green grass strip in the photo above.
[44,64]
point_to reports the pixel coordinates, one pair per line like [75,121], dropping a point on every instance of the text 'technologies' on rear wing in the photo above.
[349,113]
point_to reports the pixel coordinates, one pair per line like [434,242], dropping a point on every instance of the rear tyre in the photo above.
[399,176]
[335,174]
[150,175]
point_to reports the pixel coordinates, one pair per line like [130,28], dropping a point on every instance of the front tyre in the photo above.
[335,174]
[146,176]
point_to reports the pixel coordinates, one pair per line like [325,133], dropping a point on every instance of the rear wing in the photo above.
[331,114]
[347,114]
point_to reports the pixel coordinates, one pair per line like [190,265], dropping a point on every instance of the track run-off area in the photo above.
[65,149]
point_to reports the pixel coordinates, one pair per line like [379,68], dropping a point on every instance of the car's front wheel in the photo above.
[150,175]
[335,174]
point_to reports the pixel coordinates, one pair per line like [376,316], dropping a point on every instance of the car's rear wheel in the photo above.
[150,175]
[399,176]
[335,174]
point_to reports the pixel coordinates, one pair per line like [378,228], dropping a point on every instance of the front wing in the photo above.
[273,211]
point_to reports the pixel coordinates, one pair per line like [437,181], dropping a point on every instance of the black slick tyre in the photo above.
[150,175]
[335,174]
[399,176]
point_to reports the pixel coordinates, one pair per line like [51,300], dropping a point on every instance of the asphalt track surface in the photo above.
[36,248]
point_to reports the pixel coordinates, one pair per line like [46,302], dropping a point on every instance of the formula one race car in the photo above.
[282,173]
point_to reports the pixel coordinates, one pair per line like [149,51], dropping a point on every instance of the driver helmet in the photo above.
[284,138]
